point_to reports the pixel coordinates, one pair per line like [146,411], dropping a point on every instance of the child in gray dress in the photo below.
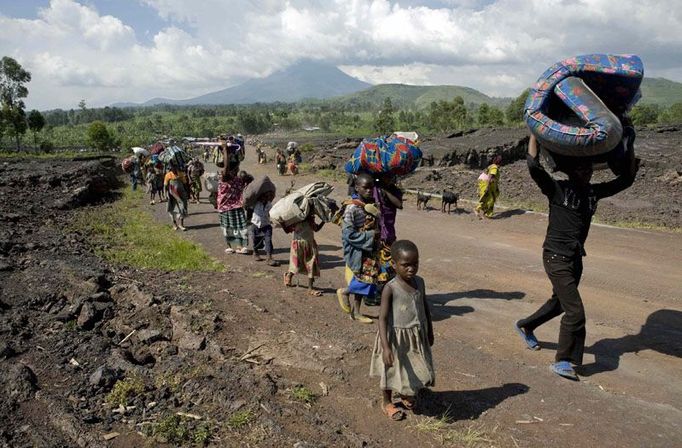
[402,350]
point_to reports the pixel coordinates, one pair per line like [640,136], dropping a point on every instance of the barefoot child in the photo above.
[359,239]
[402,349]
[261,229]
[304,257]
[230,207]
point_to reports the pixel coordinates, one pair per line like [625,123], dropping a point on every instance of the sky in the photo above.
[107,51]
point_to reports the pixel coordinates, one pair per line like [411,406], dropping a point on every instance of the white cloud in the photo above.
[498,47]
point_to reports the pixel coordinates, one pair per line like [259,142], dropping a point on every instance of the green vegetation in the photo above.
[303,394]
[179,430]
[240,419]
[12,91]
[125,233]
[124,390]
[60,155]
[660,91]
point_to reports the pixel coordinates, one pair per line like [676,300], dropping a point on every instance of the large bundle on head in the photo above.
[175,155]
[291,147]
[577,107]
[138,151]
[256,189]
[396,156]
[127,165]
[296,207]
[157,148]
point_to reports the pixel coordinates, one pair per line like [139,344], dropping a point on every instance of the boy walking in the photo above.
[572,204]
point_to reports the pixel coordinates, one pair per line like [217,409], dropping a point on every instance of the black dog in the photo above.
[422,200]
[448,198]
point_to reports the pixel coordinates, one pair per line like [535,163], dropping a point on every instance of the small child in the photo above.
[304,256]
[261,229]
[231,207]
[402,349]
[359,238]
[152,185]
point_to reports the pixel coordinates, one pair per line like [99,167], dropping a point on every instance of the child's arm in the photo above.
[386,300]
[429,321]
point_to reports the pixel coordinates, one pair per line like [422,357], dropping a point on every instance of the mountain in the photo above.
[661,91]
[305,79]
[404,95]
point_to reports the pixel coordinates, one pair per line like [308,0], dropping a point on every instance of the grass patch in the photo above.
[303,394]
[124,390]
[469,437]
[440,429]
[432,424]
[181,430]
[334,175]
[124,232]
[240,419]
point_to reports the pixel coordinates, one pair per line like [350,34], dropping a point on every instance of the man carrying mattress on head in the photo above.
[572,204]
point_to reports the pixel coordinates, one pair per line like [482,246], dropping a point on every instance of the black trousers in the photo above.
[564,273]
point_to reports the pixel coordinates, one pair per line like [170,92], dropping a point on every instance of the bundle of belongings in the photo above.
[127,165]
[579,109]
[396,155]
[211,180]
[175,155]
[296,207]
[256,189]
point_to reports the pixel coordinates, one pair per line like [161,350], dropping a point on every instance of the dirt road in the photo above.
[481,276]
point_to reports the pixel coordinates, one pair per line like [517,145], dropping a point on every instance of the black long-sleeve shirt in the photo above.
[571,208]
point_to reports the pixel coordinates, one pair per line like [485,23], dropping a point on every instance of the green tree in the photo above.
[100,137]
[36,122]
[445,115]
[514,112]
[644,114]
[385,121]
[673,115]
[12,90]
[483,117]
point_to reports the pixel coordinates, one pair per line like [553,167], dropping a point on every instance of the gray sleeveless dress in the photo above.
[412,368]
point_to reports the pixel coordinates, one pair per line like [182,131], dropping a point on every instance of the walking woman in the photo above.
[175,183]
[488,189]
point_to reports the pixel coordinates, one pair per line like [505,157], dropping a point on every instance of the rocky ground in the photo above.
[654,200]
[96,355]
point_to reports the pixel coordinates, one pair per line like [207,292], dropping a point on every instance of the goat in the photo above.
[422,200]
[448,198]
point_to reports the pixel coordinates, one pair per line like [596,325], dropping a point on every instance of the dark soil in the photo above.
[74,328]
[454,162]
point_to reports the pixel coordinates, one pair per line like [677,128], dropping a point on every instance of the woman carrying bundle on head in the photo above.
[175,183]
[231,207]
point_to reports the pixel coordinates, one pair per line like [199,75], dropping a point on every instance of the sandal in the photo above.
[528,337]
[315,292]
[393,412]
[242,251]
[361,318]
[229,250]
[343,303]
[564,369]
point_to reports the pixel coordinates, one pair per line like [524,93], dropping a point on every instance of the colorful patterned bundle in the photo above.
[574,107]
[397,156]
